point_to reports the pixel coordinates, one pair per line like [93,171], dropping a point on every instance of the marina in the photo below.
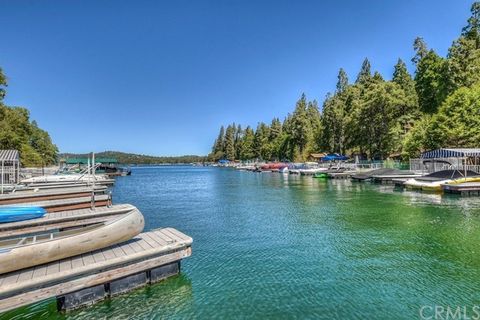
[62,237]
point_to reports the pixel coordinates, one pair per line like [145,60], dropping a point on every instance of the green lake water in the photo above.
[281,247]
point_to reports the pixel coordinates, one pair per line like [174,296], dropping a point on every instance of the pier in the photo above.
[78,276]
[463,189]
[81,280]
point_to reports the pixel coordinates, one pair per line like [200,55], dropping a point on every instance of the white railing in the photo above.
[434,166]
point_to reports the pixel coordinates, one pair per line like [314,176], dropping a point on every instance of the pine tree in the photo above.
[420,48]
[230,142]
[301,129]
[342,82]
[218,149]
[365,74]
[238,141]
[430,82]
[408,112]
[247,146]
[3,84]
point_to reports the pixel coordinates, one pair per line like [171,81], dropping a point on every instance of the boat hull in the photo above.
[122,229]
[15,214]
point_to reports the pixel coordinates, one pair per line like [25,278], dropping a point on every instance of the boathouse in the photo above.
[448,158]
[10,168]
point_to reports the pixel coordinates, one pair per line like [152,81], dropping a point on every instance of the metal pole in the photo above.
[2,175]
[93,181]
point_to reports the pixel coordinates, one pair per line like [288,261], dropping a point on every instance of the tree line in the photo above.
[439,106]
[134,159]
[18,132]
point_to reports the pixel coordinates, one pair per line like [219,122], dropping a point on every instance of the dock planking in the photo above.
[63,219]
[145,252]
[68,204]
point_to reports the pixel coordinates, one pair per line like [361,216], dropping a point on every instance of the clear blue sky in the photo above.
[161,77]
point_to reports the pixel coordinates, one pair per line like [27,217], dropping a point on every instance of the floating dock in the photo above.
[389,179]
[63,219]
[26,196]
[463,189]
[71,203]
[88,278]
[103,182]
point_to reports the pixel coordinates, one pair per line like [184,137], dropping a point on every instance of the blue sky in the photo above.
[160,77]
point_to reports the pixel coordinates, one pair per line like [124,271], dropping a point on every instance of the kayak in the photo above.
[13,214]
[321,175]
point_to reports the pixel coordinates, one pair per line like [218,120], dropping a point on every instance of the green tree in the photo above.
[230,142]
[365,74]
[430,82]
[457,123]
[378,116]
[3,84]
[416,140]
[409,112]
[247,146]
[301,132]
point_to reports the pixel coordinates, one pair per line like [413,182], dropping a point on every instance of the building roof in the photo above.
[451,153]
[9,155]
[85,160]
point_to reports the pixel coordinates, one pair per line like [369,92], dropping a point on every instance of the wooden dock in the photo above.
[389,179]
[463,189]
[69,204]
[85,279]
[49,194]
[63,219]
[102,182]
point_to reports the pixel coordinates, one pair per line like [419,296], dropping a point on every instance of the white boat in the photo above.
[66,178]
[23,251]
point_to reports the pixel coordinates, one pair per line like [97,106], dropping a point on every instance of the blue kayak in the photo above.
[13,214]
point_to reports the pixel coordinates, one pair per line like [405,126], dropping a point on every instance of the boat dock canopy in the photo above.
[9,168]
[451,153]
[9,155]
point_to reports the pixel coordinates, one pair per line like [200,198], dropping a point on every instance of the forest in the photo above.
[18,132]
[138,159]
[375,118]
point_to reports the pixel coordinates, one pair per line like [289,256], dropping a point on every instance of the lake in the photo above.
[273,246]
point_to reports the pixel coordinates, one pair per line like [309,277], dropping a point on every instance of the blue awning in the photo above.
[451,153]
[334,157]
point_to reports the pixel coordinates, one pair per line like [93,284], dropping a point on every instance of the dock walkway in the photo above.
[62,219]
[84,279]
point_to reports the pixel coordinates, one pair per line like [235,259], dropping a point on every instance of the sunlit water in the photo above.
[273,246]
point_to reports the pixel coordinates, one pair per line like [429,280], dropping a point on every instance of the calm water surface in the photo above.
[274,246]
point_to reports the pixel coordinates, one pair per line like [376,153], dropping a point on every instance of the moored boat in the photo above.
[435,180]
[29,250]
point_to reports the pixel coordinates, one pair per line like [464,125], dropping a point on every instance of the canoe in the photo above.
[34,249]
[20,213]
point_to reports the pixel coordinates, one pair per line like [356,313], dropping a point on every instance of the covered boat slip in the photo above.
[70,203]
[448,158]
[31,195]
[79,280]
[64,219]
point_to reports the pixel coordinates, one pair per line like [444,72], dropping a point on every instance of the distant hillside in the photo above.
[132,158]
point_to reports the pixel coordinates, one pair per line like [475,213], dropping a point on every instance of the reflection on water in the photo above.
[268,245]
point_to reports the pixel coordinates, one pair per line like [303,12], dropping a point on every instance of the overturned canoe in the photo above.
[33,249]
[17,213]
